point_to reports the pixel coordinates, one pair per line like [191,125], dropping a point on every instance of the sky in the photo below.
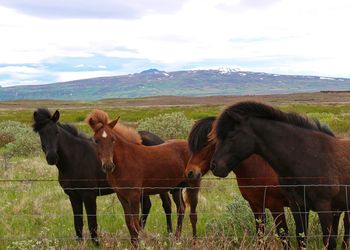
[45,41]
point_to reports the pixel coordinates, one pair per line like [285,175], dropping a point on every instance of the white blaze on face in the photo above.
[104,134]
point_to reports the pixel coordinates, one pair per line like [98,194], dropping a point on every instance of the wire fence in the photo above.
[222,212]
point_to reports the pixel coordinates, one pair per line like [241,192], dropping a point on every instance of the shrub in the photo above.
[21,140]
[5,138]
[339,124]
[167,126]
[235,222]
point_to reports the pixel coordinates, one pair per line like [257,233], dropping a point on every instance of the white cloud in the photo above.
[79,66]
[287,36]
[92,9]
[70,76]
[19,69]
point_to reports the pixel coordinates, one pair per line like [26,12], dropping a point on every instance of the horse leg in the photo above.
[260,220]
[77,206]
[345,244]
[180,208]
[192,195]
[326,219]
[145,207]
[129,220]
[134,202]
[281,226]
[335,225]
[166,202]
[90,208]
[259,216]
[301,219]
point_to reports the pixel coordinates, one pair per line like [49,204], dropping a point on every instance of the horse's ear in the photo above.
[56,116]
[113,123]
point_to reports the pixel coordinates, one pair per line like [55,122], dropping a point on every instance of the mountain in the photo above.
[153,82]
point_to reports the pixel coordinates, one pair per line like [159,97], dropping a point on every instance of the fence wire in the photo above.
[206,187]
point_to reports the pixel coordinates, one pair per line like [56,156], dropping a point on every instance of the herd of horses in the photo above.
[280,160]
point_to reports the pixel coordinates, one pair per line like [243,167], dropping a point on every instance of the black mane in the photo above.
[260,110]
[43,116]
[198,137]
[73,130]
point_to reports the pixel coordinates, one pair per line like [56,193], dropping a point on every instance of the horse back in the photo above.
[156,166]
[181,147]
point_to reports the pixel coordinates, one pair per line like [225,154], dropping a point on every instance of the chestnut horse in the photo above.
[256,180]
[313,166]
[133,169]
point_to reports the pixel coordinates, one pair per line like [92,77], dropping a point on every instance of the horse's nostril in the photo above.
[108,167]
[190,175]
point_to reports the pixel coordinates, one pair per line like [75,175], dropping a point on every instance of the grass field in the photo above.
[37,214]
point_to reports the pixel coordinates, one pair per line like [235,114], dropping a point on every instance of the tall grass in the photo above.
[37,214]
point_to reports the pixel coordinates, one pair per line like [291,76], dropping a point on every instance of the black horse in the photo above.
[79,171]
[313,165]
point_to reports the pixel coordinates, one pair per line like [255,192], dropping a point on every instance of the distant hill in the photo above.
[153,82]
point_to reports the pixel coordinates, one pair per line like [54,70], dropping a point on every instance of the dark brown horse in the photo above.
[313,166]
[256,180]
[79,171]
[134,170]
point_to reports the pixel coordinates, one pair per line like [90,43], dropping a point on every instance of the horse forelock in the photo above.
[212,136]
[222,125]
[97,119]
[260,110]
[198,137]
[41,117]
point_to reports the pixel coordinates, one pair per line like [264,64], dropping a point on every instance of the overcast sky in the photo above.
[43,41]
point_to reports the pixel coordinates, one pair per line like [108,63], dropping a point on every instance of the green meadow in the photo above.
[37,214]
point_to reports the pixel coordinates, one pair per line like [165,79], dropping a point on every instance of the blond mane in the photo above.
[98,118]
[212,134]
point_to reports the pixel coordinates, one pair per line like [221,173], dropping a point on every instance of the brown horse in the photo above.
[134,170]
[256,180]
[313,166]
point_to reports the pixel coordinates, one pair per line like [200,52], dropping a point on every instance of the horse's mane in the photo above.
[43,116]
[73,130]
[98,118]
[198,137]
[260,110]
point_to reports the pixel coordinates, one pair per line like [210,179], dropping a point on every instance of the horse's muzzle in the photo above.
[193,175]
[218,169]
[108,167]
[51,158]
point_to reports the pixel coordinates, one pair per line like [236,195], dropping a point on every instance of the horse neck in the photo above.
[65,152]
[122,150]
[288,149]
